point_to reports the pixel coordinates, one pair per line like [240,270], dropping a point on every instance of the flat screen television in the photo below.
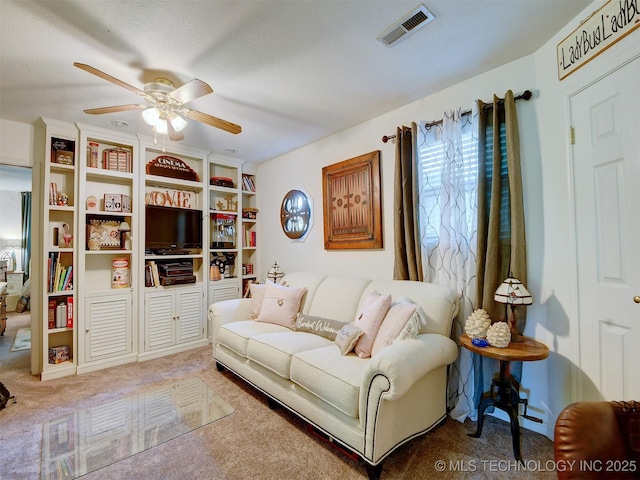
[170,228]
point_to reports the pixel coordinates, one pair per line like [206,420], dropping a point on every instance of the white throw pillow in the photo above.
[347,337]
[281,305]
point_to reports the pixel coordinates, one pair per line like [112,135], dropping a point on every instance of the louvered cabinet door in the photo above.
[108,326]
[159,320]
[190,314]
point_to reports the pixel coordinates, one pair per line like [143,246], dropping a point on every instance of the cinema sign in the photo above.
[606,26]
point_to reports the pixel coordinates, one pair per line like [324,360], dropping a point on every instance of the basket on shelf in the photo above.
[249,213]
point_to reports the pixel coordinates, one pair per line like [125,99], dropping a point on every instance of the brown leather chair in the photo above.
[598,440]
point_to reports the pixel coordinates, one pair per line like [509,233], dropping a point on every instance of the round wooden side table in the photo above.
[504,392]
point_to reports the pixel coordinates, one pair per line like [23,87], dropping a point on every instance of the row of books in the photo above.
[60,315]
[151,275]
[248,237]
[247,183]
[60,276]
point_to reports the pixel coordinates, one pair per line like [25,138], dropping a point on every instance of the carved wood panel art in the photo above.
[352,203]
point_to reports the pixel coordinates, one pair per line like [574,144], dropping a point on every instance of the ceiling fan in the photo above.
[164,109]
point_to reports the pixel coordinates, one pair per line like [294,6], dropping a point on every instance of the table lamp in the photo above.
[275,274]
[512,292]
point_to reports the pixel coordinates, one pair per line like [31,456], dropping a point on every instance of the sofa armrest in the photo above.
[404,363]
[227,311]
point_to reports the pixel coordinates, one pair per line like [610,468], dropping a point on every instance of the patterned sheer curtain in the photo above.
[448,188]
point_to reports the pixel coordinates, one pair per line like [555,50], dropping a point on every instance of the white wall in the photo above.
[16,143]
[544,134]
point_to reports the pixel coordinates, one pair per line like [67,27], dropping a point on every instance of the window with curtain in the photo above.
[433,158]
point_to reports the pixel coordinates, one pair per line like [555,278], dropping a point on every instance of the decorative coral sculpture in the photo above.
[499,335]
[477,324]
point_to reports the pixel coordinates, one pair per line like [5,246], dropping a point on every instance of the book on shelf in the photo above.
[69,312]
[51,311]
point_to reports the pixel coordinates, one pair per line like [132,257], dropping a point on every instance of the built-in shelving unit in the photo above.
[107,247]
[134,243]
[174,275]
[55,262]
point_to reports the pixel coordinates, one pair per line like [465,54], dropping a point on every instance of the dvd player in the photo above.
[177,280]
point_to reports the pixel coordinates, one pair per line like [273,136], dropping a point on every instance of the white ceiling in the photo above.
[289,72]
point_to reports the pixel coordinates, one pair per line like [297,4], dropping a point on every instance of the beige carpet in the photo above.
[254,442]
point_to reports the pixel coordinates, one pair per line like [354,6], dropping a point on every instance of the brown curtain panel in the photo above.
[501,236]
[501,233]
[406,242]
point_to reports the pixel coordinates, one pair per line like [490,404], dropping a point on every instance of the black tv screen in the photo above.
[172,228]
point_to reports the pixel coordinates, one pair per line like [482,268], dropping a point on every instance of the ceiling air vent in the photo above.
[411,22]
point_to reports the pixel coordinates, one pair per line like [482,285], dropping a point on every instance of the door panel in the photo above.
[606,165]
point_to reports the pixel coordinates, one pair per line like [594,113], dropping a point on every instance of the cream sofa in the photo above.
[370,406]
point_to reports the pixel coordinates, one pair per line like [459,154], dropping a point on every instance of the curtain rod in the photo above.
[526,95]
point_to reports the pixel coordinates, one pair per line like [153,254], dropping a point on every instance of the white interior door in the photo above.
[606,163]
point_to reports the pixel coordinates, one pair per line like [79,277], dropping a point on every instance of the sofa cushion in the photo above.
[281,304]
[274,350]
[235,335]
[394,322]
[324,327]
[369,319]
[330,376]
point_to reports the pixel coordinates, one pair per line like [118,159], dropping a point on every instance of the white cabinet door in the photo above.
[159,320]
[108,326]
[190,314]
[173,316]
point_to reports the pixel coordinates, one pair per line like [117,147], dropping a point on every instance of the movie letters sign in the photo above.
[169,197]
[606,26]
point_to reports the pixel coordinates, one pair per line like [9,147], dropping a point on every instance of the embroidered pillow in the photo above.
[320,326]
[347,337]
[257,296]
[394,323]
[369,318]
[281,305]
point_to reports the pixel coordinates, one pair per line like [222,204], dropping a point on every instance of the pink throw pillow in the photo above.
[281,305]
[393,324]
[369,319]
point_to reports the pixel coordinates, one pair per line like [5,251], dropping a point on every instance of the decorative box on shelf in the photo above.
[221,182]
[249,213]
[117,202]
[117,159]
[62,151]
[58,354]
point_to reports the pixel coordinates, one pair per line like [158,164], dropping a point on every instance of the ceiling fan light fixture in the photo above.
[161,127]
[177,121]
[151,116]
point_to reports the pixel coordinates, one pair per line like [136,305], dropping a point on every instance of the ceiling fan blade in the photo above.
[173,135]
[115,108]
[109,78]
[213,121]
[191,90]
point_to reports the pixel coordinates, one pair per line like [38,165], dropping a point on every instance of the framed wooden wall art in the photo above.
[352,203]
